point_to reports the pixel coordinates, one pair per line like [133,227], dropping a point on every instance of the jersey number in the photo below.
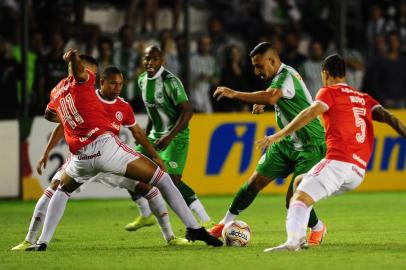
[69,111]
[360,122]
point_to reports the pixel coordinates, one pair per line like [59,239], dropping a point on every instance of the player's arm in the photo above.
[139,135]
[51,116]
[380,114]
[78,69]
[301,120]
[266,97]
[56,136]
[186,113]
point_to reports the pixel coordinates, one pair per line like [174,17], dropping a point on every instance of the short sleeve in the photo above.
[129,118]
[372,103]
[284,82]
[175,90]
[324,97]
[51,104]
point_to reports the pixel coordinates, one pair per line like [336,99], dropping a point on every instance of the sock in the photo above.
[243,199]
[187,193]
[197,207]
[54,214]
[296,222]
[39,215]
[228,218]
[143,207]
[173,197]
[158,207]
[318,226]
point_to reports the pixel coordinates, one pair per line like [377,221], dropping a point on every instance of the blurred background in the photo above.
[205,43]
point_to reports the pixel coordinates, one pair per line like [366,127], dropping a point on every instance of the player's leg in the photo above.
[121,159]
[38,215]
[270,166]
[55,211]
[305,160]
[145,217]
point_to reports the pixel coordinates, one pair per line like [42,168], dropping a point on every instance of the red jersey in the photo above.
[119,112]
[348,123]
[82,115]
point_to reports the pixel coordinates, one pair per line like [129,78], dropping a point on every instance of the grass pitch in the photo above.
[365,231]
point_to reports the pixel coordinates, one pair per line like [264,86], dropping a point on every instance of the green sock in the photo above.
[187,193]
[243,199]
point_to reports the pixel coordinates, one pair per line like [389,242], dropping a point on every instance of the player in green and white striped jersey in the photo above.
[297,153]
[169,112]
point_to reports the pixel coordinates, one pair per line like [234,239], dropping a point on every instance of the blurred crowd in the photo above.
[222,33]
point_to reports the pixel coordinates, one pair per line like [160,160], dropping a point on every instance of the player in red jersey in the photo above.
[348,116]
[121,114]
[95,148]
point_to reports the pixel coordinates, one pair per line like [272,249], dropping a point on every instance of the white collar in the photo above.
[158,74]
[280,68]
[103,100]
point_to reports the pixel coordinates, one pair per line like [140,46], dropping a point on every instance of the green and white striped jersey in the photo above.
[161,95]
[295,98]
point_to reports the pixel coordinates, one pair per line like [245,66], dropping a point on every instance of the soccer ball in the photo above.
[237,233]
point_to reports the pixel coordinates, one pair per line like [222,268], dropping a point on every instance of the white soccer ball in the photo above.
[237,233]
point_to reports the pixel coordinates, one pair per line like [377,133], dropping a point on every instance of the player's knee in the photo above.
[297,181]
[258,183]
[303,197]
[142,188]
[54,184]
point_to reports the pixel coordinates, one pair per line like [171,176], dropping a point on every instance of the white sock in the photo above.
[172,195]
[318,226]
[296,222]
[197,207]
[158,207]
[54,214]
[143,207]
[228,218]
[39,215]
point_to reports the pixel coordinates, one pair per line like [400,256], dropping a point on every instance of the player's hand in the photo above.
[222,91]
[69,53]
[163,142]
[42,163]
[258,109]
[266,141]
[159,162]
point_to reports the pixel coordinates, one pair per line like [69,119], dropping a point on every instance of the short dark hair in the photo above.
[110,70]
[335,65]
[155,48]
[89,59]
[261,48]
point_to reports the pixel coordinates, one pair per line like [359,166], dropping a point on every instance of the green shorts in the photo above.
[174,156]
[280,160]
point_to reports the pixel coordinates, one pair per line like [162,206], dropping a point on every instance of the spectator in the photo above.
[291,56]
[105,53]
[375,27]
[232,76]
[311,70]
[170,52]
[204,76]
[9,74]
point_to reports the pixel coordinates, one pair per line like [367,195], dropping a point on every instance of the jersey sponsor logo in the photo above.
[86,157]
[88,135]
[119,116]
[357,100]
[116,126]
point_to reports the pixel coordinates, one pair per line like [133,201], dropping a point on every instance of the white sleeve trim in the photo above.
[88,76]
[376,107]
[288,89]
[322,103]
[131,125]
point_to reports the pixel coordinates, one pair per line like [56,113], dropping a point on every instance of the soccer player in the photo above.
[295,154]
[94,147]
[121,114]
[348,116]
[169,112]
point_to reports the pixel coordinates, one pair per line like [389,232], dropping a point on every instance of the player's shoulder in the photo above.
[142,76]
[167,75]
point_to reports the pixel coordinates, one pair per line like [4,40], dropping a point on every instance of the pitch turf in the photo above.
[365,231]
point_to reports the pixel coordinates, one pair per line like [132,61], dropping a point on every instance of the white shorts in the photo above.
[331,177]
[105,154]
[107,179]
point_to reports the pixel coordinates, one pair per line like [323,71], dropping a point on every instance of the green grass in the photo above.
[365,231]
